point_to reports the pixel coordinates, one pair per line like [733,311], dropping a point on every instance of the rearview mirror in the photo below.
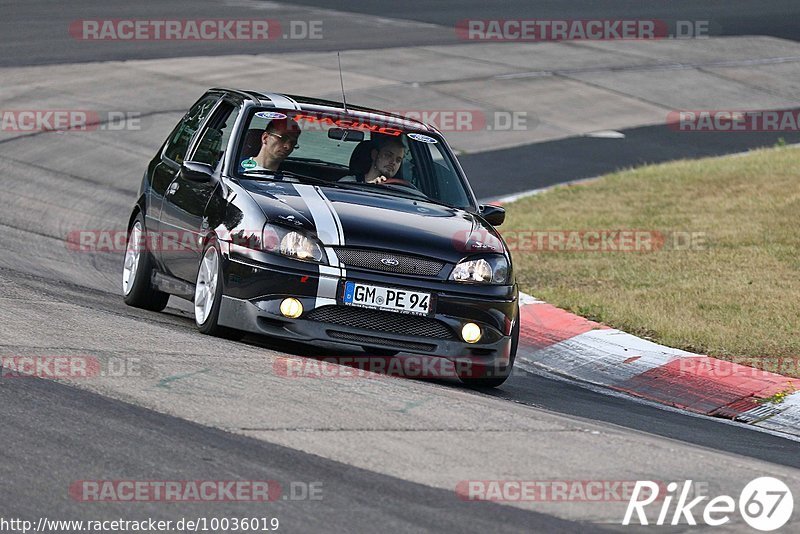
[343,134]
[196,171]
[494,215]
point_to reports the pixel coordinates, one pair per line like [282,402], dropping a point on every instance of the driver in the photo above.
[386,161]
[277,142]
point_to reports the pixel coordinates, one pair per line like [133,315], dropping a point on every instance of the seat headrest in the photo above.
[361,158]
[252,143]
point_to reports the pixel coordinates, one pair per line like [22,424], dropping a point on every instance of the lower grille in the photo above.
[372,340]
[382,321]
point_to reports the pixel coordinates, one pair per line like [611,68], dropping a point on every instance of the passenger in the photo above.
[386,161]
[277,142]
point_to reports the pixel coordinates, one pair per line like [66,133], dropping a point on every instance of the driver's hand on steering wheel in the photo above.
[379,180]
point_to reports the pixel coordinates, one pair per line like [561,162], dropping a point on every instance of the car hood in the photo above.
[364,219]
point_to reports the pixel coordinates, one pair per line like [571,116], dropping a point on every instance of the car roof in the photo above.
[319,105]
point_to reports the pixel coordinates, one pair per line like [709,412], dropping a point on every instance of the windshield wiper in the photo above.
[293,177]
[308,160]
[409,194]
[388,188]
[352,186]
[268,172]
[316,161]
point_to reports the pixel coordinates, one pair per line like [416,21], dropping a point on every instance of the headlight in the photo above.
[292,244]
[490,270]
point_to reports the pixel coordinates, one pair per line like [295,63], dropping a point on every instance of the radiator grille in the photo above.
[388,262]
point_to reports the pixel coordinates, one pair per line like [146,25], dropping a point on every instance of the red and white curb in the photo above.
[568,345]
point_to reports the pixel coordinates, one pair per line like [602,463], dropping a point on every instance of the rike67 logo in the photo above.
[765,504]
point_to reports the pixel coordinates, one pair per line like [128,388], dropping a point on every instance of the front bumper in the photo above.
[253,291]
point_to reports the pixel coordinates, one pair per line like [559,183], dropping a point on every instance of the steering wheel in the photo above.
[399,181]
[405,184]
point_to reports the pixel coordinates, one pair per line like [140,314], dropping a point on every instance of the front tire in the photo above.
[208,295]
[137,272]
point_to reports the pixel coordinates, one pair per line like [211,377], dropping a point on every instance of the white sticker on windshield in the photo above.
[422,138]
[270,115]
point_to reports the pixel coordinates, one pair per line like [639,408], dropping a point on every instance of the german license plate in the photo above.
[387,298]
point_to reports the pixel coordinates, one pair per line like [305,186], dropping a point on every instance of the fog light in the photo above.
[291,308]
[471,333]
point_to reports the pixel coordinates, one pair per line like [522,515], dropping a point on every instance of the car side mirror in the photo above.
[197,172]
[494,215]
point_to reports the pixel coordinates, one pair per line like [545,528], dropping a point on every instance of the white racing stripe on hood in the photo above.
[330,233]
[337,221]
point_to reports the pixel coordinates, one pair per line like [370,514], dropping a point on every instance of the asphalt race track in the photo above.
[73,436]
[555,162]
[34,33]
[735,17]
[388,453]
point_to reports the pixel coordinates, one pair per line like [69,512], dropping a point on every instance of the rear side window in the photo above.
[181,136]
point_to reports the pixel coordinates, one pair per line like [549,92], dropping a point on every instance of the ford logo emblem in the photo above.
[389,261]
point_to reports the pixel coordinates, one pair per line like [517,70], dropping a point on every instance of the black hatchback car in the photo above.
[283,216]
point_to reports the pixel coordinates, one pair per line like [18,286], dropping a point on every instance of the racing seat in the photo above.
[361,158]
[252,143]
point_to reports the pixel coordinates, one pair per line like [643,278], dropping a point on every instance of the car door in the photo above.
[183,211]
[166,170]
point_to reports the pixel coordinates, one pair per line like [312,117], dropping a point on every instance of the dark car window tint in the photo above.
[214,139]
[179,140]
[428,168]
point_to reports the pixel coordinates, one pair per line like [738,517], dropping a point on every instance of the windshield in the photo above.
[349,151]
